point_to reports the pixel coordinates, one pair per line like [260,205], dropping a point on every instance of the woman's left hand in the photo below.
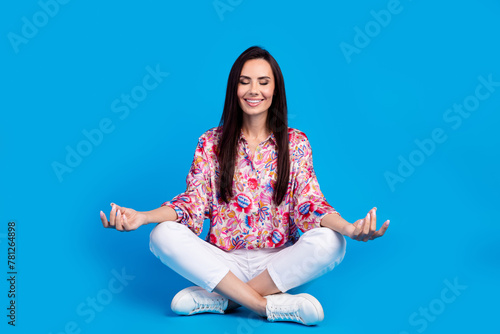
[366,228]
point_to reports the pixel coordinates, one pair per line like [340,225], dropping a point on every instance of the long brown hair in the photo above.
[232,121]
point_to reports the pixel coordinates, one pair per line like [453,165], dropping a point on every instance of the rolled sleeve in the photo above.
[310,206]
[192,205]
[181,216]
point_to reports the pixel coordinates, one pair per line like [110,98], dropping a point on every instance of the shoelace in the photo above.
[210,305]
[280,314]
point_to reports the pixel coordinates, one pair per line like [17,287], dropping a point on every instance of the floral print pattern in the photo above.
[251,219]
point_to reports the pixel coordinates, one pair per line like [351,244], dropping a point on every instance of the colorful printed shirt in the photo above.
[251,219]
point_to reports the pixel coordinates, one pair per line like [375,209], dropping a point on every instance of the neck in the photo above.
[255,126]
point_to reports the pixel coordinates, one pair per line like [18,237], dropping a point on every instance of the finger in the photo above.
[366,227]
[119,221]
[126,226]
[359,230]
[112,215]
[119,208]
[357,226]
[373,227]
[382,230]
[104,220]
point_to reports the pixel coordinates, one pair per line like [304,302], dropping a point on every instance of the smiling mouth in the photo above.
[253,103]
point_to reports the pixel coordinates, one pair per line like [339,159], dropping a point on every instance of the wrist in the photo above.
[147,219]
[335,222]
[348,230]
[161,214]
[153,216]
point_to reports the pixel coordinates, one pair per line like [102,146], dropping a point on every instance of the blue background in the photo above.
[361,113]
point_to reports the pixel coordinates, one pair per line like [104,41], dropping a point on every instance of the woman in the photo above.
[253,178]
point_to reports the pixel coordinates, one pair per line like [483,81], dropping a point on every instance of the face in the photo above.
[256,87]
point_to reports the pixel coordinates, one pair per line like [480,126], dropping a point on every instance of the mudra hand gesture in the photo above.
[123,219]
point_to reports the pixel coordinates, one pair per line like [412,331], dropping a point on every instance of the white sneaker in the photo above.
[302,308]
[195,300]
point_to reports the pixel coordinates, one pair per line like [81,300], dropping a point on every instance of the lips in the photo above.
[253,103]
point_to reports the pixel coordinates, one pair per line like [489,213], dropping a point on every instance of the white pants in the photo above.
[315,253]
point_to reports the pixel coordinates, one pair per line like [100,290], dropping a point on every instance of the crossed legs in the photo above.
[250,294]
[317,252]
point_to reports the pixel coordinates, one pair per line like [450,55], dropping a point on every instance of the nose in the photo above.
[254,88]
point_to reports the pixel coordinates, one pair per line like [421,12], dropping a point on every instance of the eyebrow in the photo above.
[259,78]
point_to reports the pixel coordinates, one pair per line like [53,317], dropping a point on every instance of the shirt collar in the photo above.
[270,138]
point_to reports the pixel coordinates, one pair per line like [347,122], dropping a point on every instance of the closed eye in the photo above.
[242,82]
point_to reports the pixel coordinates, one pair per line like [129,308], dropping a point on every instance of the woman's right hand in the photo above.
[365,229]
[123,219]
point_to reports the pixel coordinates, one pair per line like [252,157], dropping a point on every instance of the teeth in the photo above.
[253,101]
